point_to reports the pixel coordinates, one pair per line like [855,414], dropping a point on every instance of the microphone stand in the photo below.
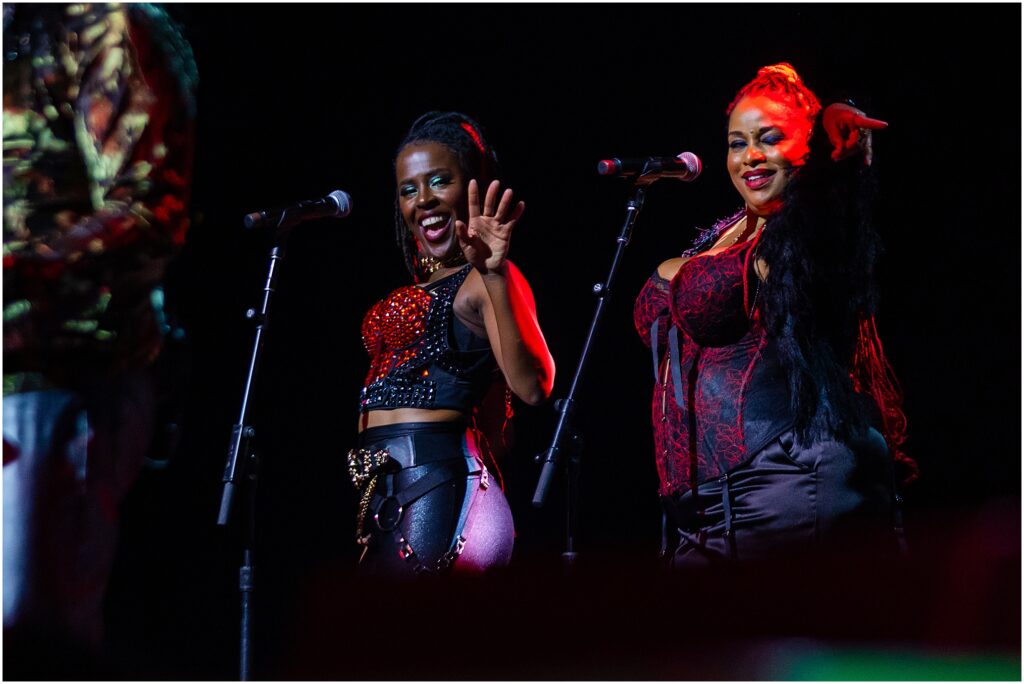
[241,467]
[566,440]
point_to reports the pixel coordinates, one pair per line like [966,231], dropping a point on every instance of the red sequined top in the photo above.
[719,394]
[421,356]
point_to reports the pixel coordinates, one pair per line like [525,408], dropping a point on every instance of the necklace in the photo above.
[738,233]
[428,265]
[757,289]
[753,301]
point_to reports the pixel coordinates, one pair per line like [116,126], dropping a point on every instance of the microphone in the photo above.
[338,204]
[685,167]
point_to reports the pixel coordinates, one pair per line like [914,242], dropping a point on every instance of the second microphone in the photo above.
[685,167]
[338,204]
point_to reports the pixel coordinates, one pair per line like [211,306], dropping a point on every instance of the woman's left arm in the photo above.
[506,302]
[849,131]
[510,317]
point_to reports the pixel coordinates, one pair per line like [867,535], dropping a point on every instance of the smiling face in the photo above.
[431,196]
[768,140]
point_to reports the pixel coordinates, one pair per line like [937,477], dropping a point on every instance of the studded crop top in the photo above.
[720,394]
[421,355]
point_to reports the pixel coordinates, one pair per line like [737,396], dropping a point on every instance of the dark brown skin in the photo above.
[495,301]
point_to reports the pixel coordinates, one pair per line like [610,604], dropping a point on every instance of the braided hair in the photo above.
[780,79]
[463,136]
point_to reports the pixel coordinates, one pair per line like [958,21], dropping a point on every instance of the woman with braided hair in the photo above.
[772,393]
[441,349]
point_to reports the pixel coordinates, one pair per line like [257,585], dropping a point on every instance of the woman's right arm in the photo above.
[652,304]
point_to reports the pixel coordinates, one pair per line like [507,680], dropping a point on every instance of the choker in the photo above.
[428,265]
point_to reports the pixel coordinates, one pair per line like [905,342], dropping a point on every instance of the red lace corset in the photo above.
[709,299]
[705,357]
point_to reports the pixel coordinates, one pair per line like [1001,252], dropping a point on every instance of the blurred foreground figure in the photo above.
[98,122]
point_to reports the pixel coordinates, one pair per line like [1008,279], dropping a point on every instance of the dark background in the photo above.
[298,100]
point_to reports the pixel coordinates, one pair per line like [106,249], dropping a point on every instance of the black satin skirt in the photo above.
[790,498]
[432,506]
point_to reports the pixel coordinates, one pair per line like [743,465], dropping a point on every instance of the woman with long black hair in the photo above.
[772,393]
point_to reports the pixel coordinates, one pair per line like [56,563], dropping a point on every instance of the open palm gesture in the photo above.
[485,238]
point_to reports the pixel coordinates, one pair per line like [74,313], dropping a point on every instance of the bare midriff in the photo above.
[408,415]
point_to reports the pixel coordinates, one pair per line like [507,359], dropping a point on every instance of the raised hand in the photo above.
[485,238]
[849,131]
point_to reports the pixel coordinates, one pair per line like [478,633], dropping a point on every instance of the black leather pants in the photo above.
[433,506]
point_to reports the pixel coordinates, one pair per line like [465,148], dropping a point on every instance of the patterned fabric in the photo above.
[98,119]
[652,306]
[707,351]
[707,298]
[671,438]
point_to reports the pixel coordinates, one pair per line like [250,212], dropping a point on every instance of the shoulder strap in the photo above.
[675,364]
[655,355]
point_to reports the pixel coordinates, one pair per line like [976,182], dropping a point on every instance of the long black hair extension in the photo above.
[821,297]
